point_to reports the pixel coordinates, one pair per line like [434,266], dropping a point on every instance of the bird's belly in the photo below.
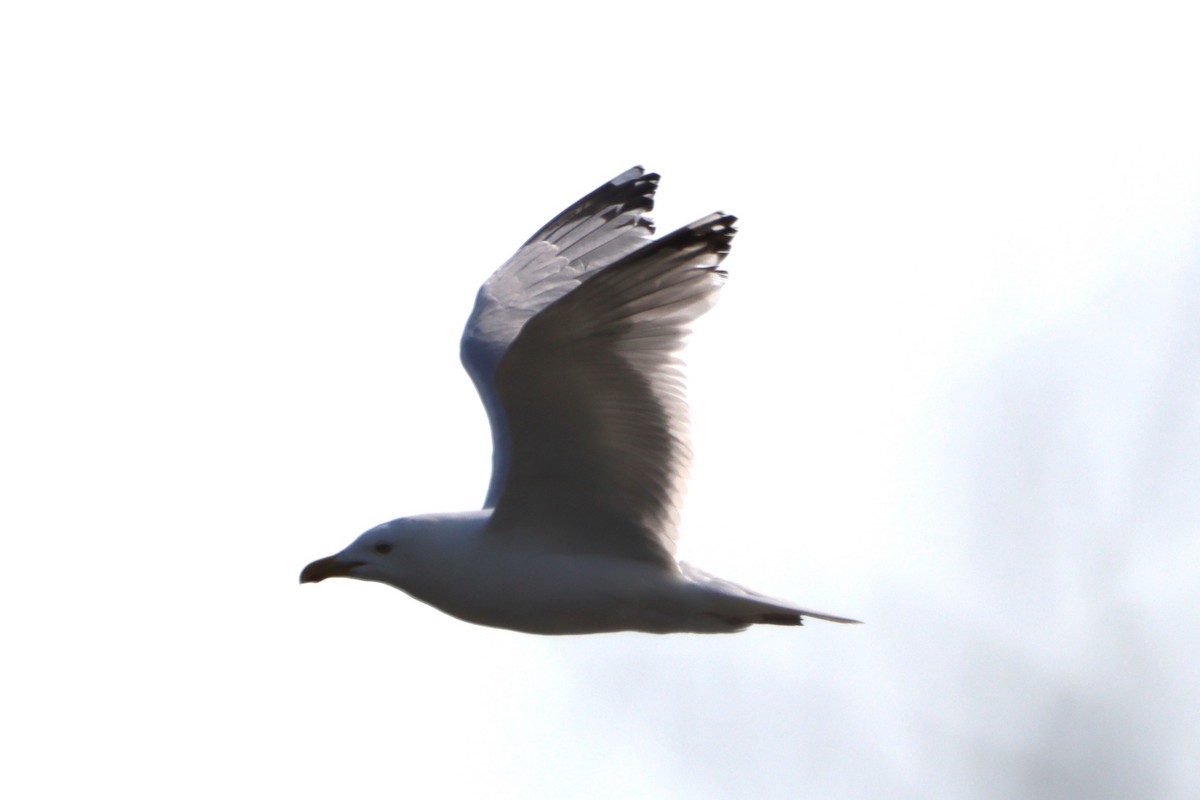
[554,594]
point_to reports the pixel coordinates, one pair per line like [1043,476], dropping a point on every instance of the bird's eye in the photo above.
[383,548]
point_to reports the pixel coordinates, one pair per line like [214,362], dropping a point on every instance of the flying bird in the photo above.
[573,345]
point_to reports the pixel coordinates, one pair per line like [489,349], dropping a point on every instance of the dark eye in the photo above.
[383,548]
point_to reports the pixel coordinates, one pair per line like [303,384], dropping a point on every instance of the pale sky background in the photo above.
[952,389]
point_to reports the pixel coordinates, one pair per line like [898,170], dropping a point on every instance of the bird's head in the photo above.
[377,555]
[400,552]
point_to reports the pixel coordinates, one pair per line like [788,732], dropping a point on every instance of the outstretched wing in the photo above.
[593,396]
[594,232]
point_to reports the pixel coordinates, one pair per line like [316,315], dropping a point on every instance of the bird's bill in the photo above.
[328,567]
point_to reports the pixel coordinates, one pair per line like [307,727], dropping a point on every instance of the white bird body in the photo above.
[572,347]
[455,564]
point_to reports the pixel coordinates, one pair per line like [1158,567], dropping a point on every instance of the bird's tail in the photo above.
[742,607]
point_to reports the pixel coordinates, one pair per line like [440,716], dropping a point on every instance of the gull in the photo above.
[572,345]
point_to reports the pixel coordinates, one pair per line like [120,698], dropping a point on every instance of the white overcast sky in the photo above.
[952,388]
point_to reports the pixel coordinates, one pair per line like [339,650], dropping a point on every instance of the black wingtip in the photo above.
[716,230]
[634,187]
[631,174]
[631,191]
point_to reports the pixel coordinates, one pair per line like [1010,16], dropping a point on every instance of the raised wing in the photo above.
[594,399]
[593,233]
